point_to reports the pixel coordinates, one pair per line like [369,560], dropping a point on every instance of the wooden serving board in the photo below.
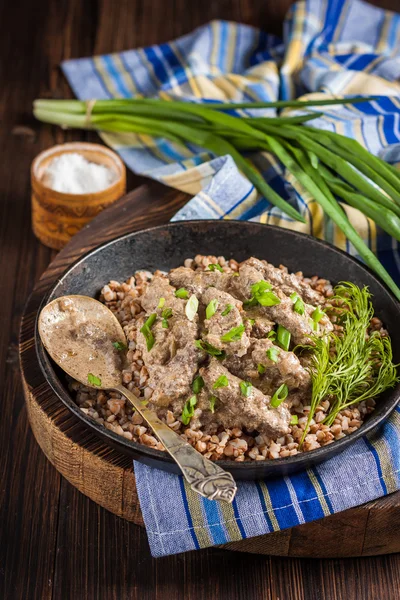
[106,476]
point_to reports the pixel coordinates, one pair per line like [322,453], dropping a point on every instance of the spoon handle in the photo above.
[204,476]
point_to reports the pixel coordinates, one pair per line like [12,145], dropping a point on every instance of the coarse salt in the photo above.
[72,173]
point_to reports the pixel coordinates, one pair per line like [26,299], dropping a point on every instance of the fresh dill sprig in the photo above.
[352,366]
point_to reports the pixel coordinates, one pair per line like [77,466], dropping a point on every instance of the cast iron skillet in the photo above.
[168,246]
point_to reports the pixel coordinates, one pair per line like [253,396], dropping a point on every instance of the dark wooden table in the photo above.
[54,542]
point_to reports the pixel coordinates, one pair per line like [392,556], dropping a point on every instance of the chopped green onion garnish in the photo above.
[273,353]
[93,380]
[212,403]
[283,337]
[161,303]
[272,335]
[227,310]
[280,395]
[198,384]
[210,349]
[316,317]
[298,304]
[165,324]
[262,295]
[146,330]
[166,313]
[245,388]
[182,293]
[261,369]
[215,267]
[188,410]
[294,420]
[120,346]
[191,307]
[211,308]
[251,321]
[222,381]
[234,334]
[236,274]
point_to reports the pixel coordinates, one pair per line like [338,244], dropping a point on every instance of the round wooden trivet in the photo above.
[106,476]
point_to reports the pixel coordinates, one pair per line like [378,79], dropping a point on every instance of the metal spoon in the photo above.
[86,340]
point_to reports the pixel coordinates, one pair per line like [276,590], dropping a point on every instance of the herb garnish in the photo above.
[211,308]
[161,303]
[227,310]
[182,293]
[234,334]
[93,380]
[245,388]
[316,317]
[222,381]
[283,337]
[350,367]
[120,346]
[280,395]
[273,353]
[166,314]
[298,304]
[198,384]
[294,420]
[188,410]
[146,330]
[272,335]
[213,267]
[261,368]
[210,349]
[212,403]
[262,295]
[191,307]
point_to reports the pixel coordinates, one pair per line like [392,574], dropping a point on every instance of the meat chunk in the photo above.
[300,326]
[288,282]
[227,316]
[173,360]
[261,326]
[172,381]
[198,281]
[234,409]
[283,367]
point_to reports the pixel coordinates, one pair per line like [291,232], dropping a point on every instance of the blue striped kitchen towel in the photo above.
[330,47]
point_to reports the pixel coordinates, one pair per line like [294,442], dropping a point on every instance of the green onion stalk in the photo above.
[329,166]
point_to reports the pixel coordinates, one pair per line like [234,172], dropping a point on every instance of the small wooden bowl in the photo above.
[57,216]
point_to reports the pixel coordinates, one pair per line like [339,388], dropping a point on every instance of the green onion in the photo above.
[182,293]
[198,384]
[251,321]
[298,305]
[161,303]
[294,420]
[191,307]
[245,388]
[222,381]
[283,337]
[212,403]
[273,354]
[227,310]
[234,334]
[213,267]
[211,308]
[280,395]
[120,346]
[188,410]
[165,324]
[166,313]
[272,335]
[93,380]
[316,316]
[146,330]
[211,350]
[262,295]
[261,369]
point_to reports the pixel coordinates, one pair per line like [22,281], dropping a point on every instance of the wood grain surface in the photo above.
[55,543]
